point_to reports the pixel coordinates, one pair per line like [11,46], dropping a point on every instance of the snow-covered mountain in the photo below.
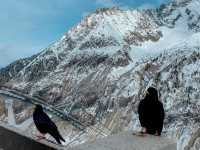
[112,56]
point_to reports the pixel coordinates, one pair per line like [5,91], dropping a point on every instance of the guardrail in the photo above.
[84,127]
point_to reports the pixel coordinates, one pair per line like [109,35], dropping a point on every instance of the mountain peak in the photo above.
[181,2]
[107,10]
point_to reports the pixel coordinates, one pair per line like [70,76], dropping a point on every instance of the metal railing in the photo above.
[84,127]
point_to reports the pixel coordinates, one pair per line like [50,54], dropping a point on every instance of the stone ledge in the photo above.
[11,139]
[128,141]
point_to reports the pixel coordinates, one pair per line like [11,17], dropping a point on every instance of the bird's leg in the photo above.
[143,130]
[40,136]
[157,133]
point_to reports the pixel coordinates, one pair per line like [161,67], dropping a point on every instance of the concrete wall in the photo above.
[13,140]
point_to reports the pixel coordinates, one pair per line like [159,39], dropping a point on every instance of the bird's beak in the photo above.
[146,93]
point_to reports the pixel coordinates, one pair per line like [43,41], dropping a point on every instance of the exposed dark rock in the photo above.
[99,42]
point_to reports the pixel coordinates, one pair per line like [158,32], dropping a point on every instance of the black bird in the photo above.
[151,112]
[45,125]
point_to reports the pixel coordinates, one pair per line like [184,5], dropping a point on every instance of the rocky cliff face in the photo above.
[13,69]
[105,63]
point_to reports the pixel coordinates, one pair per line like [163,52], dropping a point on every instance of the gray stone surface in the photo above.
[128,141]
[11,139]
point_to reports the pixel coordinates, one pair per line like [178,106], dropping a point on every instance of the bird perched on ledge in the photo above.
[45,125]
[151,112]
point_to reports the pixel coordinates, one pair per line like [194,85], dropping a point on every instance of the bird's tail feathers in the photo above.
[61,138]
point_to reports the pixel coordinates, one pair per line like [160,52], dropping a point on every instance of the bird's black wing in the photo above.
[46,120]
[161,114]
[142,113]
[43,121]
